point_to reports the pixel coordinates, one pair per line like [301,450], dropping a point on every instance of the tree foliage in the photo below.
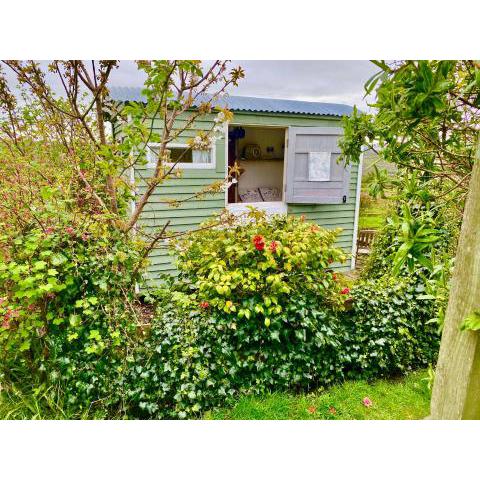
[426,117]
[63,141]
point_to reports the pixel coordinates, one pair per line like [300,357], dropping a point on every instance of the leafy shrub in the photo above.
[66,309]
[180,369]
[194,360]
[388,330]
[417,235]
[253,268]
[253,310]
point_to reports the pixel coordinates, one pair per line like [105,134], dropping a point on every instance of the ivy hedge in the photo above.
[255,308]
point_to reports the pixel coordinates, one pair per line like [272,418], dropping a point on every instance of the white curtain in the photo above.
[201,156]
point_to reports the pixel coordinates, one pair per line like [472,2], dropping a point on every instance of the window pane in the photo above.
[185,155]
[181,155]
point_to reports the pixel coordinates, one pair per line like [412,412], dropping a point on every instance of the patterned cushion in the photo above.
[270,194]
[249,196]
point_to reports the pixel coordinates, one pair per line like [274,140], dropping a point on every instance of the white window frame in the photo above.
[151,161]
[279,207]
[270,208]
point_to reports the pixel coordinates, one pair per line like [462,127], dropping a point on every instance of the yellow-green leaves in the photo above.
[250,269]
[472,321]
[244,312]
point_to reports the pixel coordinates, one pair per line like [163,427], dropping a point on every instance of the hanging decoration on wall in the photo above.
[252,151]
[236,133]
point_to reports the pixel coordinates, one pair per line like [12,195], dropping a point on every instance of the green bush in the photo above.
[193,361]
[180,369]
[254,267]
[254,309]
[66,305]
[388,330]
[415,238]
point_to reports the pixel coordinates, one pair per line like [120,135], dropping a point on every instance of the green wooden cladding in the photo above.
[191,213]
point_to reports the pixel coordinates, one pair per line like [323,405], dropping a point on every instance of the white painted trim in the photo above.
[151,163]
[258,125]
[357,211]
[225,133]
[270,125]
[271,208]
[285,166]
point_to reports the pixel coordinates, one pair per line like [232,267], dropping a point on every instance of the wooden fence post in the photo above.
[456,389]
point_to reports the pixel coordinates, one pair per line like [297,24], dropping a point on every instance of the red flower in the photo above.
[311,409]
[2,299]
[50,295]
[334,277]
[345,291]
[367,402]
[70,231]
[273,246]
[302,218]
[204,305]
[85,236]
[330,260]
[49,230]
[332,410]
[8,316]
[259,242]
[314,228]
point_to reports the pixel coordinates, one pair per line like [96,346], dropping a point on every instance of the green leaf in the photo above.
[39,265]
[74,320]
[472,321]
[47,192]
[58,259]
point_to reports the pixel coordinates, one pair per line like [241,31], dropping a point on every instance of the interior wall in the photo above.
[260,173]
[264,137]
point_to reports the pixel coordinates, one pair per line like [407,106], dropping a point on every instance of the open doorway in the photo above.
[259,153]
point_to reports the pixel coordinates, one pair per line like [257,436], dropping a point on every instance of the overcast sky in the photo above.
[337,81]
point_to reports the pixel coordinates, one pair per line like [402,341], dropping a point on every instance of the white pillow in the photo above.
[249,196]
[270,194]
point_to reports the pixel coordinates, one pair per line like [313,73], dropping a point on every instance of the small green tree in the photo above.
[427,120]
[62,141]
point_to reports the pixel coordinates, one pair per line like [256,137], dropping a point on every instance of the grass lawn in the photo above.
[371,219]
[372,212]
[406,398]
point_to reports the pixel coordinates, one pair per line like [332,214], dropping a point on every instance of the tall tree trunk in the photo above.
[456,390]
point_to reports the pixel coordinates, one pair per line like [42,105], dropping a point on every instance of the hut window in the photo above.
[183,156]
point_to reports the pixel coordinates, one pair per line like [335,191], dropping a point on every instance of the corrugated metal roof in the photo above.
[251,104]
